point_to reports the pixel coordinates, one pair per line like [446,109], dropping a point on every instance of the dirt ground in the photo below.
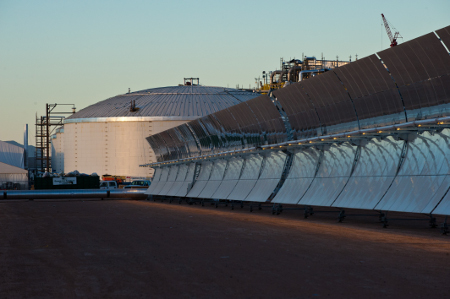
[145,249]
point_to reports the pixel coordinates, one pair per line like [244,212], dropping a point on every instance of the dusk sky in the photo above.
[82,52]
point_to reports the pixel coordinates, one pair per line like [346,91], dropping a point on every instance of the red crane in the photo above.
[392,39]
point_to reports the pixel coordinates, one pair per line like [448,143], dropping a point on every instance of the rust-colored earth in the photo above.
[143,249]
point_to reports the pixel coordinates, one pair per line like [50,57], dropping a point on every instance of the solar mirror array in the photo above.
[373,134]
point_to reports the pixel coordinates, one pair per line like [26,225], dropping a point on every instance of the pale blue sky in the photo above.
[83,52]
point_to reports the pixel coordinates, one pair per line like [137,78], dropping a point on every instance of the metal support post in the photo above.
[444,227]
[341,216]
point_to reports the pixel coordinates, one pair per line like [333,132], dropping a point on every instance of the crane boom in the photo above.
[392,39]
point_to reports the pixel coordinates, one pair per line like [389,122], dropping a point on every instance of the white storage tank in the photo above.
[109,137]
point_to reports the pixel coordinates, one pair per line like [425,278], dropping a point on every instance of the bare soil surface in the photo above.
[143,249]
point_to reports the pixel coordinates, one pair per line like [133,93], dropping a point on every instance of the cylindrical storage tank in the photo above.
[109,137]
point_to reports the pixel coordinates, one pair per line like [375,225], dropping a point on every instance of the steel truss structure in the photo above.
[45,128]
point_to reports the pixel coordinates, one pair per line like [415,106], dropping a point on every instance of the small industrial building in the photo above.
[109,137]
[12,172]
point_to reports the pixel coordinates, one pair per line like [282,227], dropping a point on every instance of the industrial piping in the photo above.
[273,75]
[309,71]
[72,193]
[292,70]
[282,74]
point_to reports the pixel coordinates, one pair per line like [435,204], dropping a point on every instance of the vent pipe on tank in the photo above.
[25,147]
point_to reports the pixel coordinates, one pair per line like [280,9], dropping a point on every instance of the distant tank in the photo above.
[109,137]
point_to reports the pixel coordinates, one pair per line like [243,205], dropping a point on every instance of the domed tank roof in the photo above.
[164,103]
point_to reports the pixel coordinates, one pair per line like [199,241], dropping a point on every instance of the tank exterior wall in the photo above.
[115,148]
